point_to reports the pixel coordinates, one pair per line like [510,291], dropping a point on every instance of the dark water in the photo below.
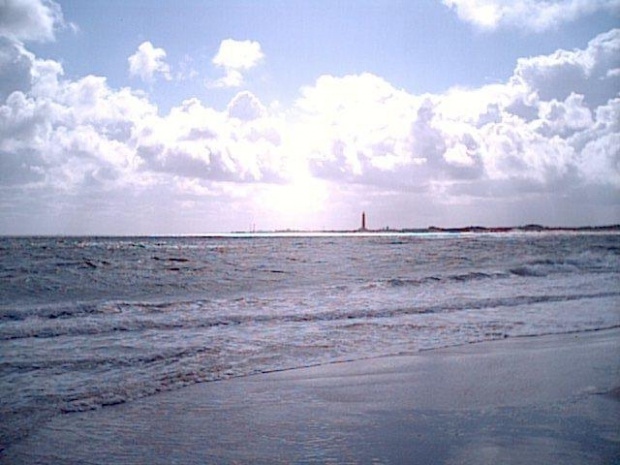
[89,322]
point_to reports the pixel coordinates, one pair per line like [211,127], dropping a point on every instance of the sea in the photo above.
[90,322]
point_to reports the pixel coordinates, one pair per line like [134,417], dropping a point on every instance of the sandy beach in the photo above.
[550,399]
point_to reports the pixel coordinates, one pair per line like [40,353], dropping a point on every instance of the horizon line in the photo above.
[529,228]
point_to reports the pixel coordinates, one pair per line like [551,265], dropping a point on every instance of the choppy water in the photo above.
[89,322]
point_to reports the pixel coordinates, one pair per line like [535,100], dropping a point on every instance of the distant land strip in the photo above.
[530,228]
[435,229]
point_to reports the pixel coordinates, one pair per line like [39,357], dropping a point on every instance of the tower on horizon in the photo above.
[363,228]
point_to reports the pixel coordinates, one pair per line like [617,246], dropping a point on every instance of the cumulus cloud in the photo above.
[238,54]
[149,61]
[197,141]
[551,130]
[26,20]
[548,129]
[534,129]
[64,134]
[584,72]
[532,15]
[355,125]
[236,57]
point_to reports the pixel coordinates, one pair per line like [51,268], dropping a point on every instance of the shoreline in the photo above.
[386,231]
[545,399]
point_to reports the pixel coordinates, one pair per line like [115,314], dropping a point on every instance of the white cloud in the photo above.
[356,125]
[236,57]
[459,154]
[149,61]
[67,135]
[563,118]
[25,20]
[61,134]
[196,141]
[550,131]
[583,72]
[533,15]
[238,54]
[233,78]
[534,131]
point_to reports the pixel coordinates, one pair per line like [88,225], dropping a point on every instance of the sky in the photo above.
[191,117]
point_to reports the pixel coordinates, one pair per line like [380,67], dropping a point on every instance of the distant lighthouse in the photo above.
[363,228]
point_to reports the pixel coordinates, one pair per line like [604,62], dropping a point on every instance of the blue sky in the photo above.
[420,46]
[187,116]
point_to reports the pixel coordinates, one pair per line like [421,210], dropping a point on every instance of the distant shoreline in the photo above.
[530,228]
[435,230]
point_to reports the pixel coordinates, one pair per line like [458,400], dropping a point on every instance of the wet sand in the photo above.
[550,399]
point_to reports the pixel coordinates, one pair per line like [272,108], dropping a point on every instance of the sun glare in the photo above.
[297,204]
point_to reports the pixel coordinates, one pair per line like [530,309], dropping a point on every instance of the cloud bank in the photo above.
[551,127]
[79,150]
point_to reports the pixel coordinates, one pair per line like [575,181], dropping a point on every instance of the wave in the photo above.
[199,317]
[188,367]
[65,310]
[584,262]
[464,277]
[93,363]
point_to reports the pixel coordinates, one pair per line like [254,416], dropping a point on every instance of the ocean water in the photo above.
[91,322]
